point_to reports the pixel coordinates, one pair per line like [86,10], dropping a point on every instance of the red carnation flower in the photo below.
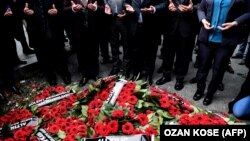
[128,128]
[143,119]
[113,126]
[54,129]
[137,131]
[98,127]
[104,95]
[104,131]
[117,114]
[133,100]
[151,131]
[59,89]
[164,102]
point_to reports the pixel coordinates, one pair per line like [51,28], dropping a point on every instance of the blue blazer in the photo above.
[239,11]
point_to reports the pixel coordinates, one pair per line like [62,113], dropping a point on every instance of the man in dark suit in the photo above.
[143,36]
[44,24]
[89,53]
[218,37]
[178,41]
[7,50]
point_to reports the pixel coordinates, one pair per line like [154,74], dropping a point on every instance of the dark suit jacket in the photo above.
[150,21]
[42,26]
[182,23]
[236,12]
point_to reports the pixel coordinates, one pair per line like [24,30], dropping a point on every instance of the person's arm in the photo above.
[201,10]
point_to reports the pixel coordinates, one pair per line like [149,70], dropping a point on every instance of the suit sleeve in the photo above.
[161,6]
[246,16]
[201,10]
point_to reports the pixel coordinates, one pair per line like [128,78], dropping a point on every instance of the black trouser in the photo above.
[87,55]
[219,55]
[52,57]
[177,48]
[118,31]
[144,47]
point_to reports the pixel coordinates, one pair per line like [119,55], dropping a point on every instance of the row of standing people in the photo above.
[140,24]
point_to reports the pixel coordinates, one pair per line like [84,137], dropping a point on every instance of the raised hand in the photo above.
[184,8]
[129,8]
[53,11]
[8,13]
[171,6]
[123,14]
[27,10]
[76,7]
[107,9]
[207,25]
[227,26]
[92,6]
[151,9]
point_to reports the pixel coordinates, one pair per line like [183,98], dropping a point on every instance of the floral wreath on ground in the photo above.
[138,109]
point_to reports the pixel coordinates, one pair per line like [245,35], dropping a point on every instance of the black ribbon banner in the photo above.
[43,135]
[138,137]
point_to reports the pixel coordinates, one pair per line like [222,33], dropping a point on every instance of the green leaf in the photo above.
[139,104]
[84,110]
[160,120]
[137,88]
[165,114]
[148,104]
[91,87]
[61,134]
[90,131]
[34,109]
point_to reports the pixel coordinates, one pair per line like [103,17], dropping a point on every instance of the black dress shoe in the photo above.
[67,79]
[114,71]
[193,80]
[83,81]
[196,64]
[207,101]
[28,51]
[160,70]
[136,76]
[52,81]
[125,74]
[148,79]
[237,56]
[230,69]
[179,85]
[15,90]
[221,87]
[163,80]
[20,62]
[106,61]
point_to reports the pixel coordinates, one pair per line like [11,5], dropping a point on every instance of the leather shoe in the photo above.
[221,87]
[106,61]
[52,81]
[160,70]
[179,85]
[198,95]
[193,80]
[230,69]
[15,90]
[237,56]
[114,71]
[28,51]
[67,79]
[148,79]
[136,76]
[163,80]
[207,101]
[83,81]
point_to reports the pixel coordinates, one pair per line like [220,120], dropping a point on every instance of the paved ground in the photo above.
[232,82]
